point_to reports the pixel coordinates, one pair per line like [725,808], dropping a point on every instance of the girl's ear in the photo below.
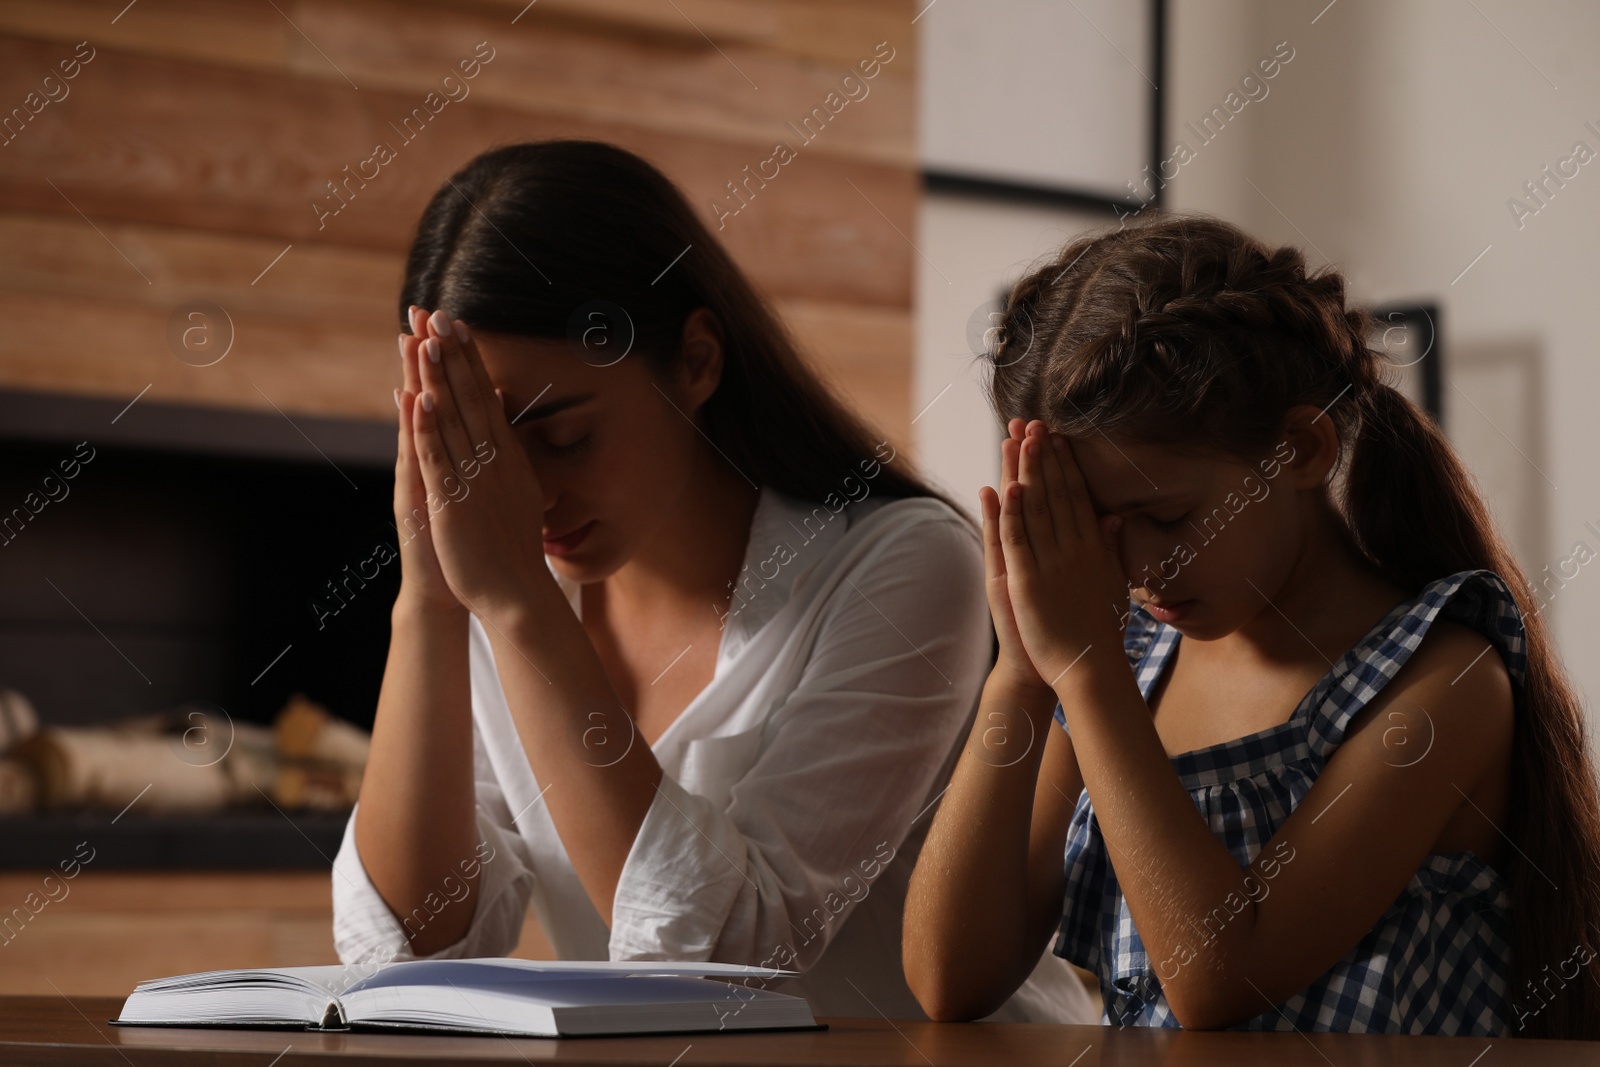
[700,366]
[1308,447]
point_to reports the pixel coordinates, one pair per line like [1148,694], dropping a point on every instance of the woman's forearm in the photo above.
[416,825]
[991,866]
[598,775]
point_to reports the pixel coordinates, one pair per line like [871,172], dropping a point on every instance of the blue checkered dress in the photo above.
[1436,962]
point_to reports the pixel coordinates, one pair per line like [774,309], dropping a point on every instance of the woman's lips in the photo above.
[1171,612]
[567,542]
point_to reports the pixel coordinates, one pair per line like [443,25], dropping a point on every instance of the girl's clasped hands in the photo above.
[1053,573]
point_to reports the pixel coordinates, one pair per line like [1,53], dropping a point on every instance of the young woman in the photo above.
[1324,770]
[682,653]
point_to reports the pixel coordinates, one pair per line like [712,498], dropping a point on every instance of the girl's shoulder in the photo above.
[1428,642]
[1469,609]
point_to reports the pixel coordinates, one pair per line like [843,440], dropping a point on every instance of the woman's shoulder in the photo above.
[882,537]
[920,527]
[922,512]
[872,517]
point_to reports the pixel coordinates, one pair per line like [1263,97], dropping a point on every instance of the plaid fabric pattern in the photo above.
[1436,962]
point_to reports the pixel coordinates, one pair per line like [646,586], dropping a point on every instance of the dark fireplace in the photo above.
[156,556]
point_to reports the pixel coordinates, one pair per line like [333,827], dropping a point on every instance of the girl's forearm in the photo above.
[1171,868]
[970,936]
[416,825]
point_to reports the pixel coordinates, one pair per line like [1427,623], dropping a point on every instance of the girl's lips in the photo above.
[1171,612]
[567,542]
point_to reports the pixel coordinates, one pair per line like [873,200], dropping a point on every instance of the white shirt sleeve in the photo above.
[365,929]
[844,767]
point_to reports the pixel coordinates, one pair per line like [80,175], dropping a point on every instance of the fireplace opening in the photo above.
[191,573]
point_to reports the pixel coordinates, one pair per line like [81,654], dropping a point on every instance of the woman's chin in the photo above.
[584,567]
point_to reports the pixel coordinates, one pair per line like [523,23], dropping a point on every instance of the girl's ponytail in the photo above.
[1415,511]
[1410,502]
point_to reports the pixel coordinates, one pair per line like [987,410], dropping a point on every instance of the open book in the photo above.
[480,996]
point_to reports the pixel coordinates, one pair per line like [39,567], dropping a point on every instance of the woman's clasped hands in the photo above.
[1053,573]
[468,504]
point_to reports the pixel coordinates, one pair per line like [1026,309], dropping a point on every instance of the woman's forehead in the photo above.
[521,364]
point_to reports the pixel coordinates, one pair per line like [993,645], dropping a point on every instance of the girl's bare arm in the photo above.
[986,892]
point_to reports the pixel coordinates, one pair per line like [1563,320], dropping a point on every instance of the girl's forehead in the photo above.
[1123,474]
[1115,458]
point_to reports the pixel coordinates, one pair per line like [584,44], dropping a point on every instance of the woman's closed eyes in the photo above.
[571,448]
[557,441]
[553,438]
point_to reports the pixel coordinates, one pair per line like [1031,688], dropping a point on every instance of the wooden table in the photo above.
[56,1030]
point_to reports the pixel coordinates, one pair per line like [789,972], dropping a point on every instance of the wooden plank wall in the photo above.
[181,162]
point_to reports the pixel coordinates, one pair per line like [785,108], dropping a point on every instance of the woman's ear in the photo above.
[1309,446]
[700,365]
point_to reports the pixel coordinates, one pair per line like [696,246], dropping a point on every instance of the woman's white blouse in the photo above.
[797,787]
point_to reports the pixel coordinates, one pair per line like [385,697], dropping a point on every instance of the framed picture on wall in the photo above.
[1083,78]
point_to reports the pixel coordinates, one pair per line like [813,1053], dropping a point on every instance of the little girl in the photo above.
[1323,770]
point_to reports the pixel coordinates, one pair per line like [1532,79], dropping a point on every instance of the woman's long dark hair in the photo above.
[526,237]
[1184,330]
